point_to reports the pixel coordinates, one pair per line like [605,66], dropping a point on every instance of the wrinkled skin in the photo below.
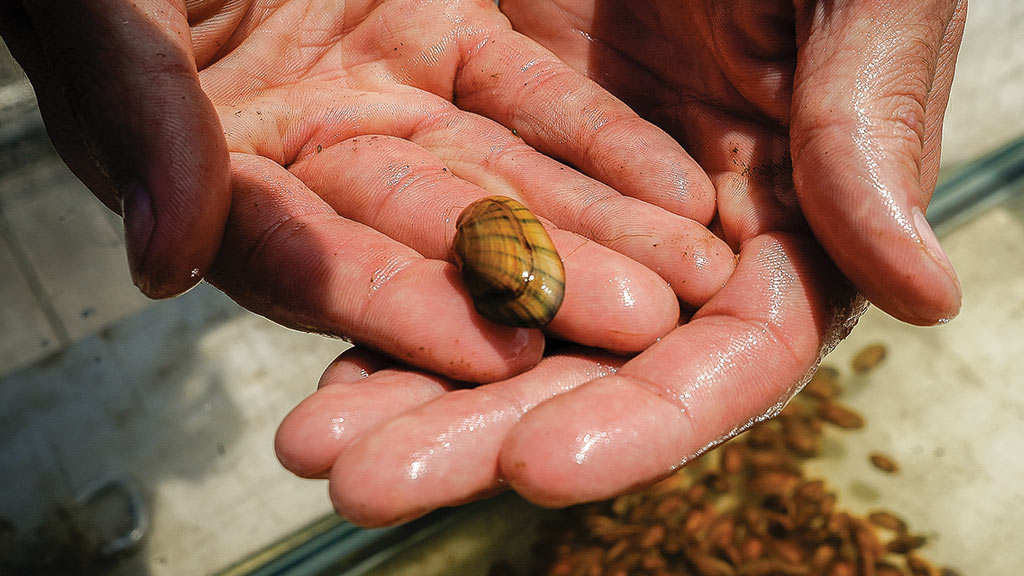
[349,161]
[853,102]
[571,430]
[581,426]
[349,164]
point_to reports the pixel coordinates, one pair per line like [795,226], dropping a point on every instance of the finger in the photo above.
[410,195]
[860,113]
[354,364]
[357,393]
[557,28]
[752,174]
[511,79]
[118,88]
[322,145]
[445,452]
[938,97]
[289,256]
[612,303]
[562,113]
[213,21]
[695,262]
[738,360]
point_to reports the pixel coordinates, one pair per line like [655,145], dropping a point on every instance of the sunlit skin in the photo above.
[571,431]
[355,134]
[349,164]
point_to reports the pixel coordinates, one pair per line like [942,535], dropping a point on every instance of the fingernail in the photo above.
[137,211]
[931,243]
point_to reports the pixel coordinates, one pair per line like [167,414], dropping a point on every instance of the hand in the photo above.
[582,425]
[349,162]
[853,103]
[118,89]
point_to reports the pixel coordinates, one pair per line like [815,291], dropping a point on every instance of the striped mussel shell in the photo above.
[509,263]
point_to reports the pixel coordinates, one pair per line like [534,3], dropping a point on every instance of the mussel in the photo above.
[509,263]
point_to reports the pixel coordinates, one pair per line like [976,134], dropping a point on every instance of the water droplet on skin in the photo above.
[337,427]
[587,442]
[416,468]
[700,260]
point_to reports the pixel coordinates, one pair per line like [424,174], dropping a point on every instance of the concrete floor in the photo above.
[185,395]
[96,381]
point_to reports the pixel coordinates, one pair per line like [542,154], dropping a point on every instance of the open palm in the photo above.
[847,101]
[351,160]
[581,425]
[357,132]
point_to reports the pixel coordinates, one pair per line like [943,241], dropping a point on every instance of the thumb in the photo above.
[119,91]
[870,90]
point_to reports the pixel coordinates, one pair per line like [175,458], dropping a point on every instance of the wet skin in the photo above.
[311,161]
[581,426]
